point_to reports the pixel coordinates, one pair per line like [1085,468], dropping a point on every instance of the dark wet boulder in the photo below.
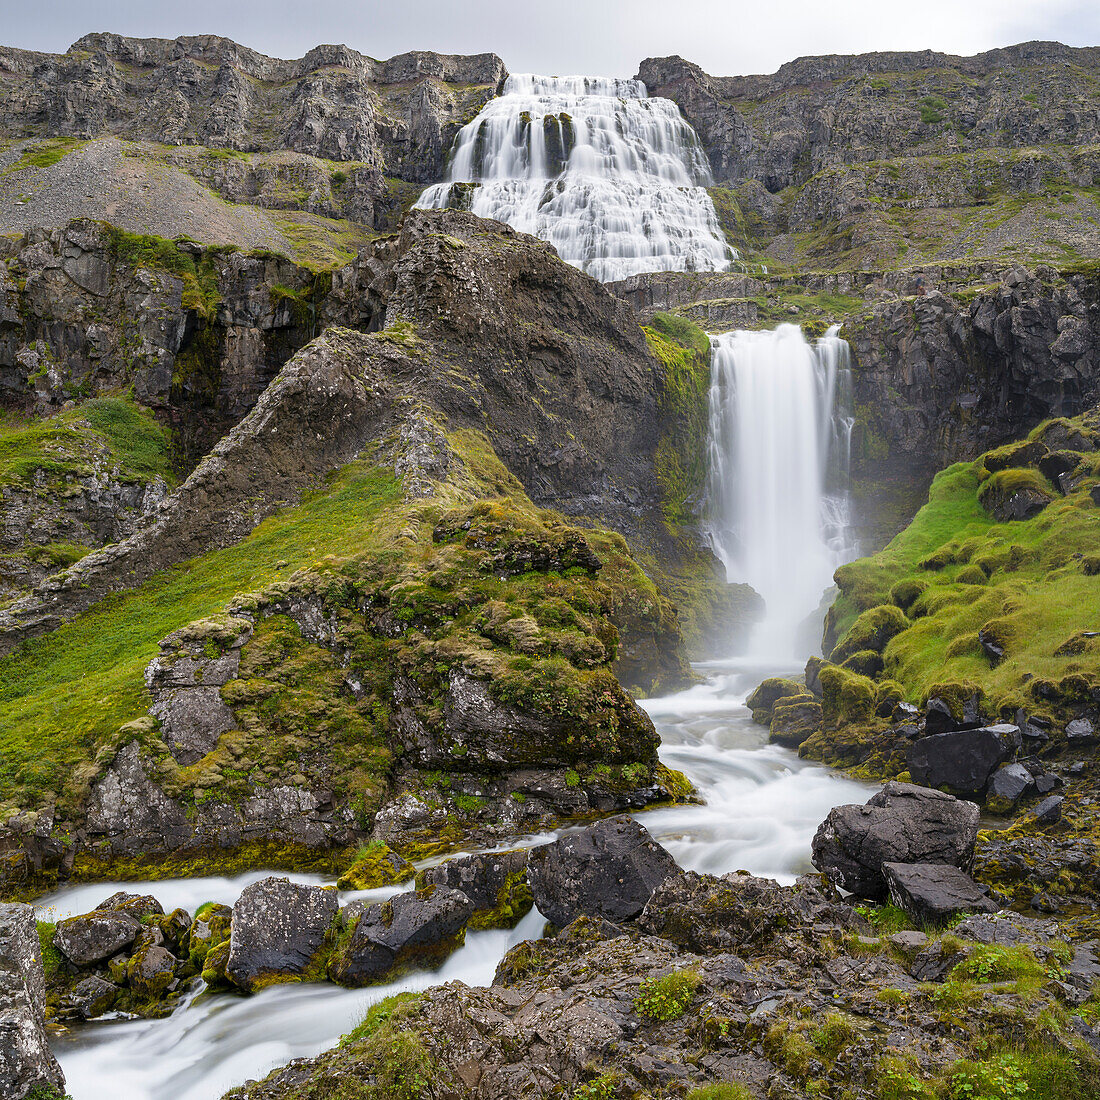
[27,1066]
[89,998]
[1048,812]
[963,761]
[95,936]
[1081,731]
[609,870]
[903,823]
[495,883]
[420,928]
[1009,784]
[934,893]
[938,717]
[279,928]
[795,719]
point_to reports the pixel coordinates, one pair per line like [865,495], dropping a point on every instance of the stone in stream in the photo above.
[89,998]
[27,1066]
[794,720]
[95,936]
[1009,784]
[963,761]
[933,893]
[419,928]
[608,870]
[495,882]
[137,905]
[903,823]
[279,928]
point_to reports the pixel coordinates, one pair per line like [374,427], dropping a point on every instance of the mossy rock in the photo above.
[972,574]
[210,927]
[847,697]
[794,719]
[1026,453]
[514,902]
[1084,641]
[866,662]
[1015,494]
[213,969]
[763,700]
[958,695]
[887,696]
[905,593]
[378,865]
[871,631]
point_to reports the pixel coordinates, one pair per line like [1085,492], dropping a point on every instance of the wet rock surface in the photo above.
[608,870]
[933,893]
[903,823]
[27,1067]
[279,928]
[963,761]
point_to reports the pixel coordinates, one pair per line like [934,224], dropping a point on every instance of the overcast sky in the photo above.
[726,37]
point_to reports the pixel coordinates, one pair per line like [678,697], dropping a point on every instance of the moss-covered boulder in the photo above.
[1015,494]
[495,882]
[794,719]
[210,927]
[376,865]
[847,696]
[871,632]
[763,699]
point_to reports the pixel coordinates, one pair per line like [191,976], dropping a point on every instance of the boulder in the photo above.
[938,717]
[151,972]
[609,870]
[495,883]
[768,693]
[137,905]
[379,865]
[422,927]
[26,1064]
[903,823]
[1080,732]
[95,936]
[279,927]
[794,720]
[210,927]
[933,893]
[963,761]
[90,998]
[1009,784]
[1049,811]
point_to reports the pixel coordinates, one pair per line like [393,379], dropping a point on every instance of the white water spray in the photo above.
[615,180]
[779,441]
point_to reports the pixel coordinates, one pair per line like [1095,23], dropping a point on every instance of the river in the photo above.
[762,807]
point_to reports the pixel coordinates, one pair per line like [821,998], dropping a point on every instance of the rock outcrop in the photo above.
[608,870]
[27,1066]
[903,823]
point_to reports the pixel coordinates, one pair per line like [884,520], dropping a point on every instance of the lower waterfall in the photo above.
[779,441]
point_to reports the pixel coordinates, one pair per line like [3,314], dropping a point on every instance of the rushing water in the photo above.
[763,805]
[780,428]
[613,178]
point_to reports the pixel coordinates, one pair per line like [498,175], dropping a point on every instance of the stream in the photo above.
[762,808]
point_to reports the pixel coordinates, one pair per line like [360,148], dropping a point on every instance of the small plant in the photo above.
[604,1087]
[892,996]
[885,919]
[727,1090]
[896,1079]
[995,963]
[666,998]
[837,1030]
[998,1079]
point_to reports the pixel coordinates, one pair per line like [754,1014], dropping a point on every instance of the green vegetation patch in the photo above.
[115,430]
[666,998]
[46,153]
[198,275]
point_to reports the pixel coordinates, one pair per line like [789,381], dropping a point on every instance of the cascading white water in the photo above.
[615,180]
[779,440]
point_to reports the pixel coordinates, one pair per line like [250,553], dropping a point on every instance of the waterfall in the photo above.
[613,179]
[779,442]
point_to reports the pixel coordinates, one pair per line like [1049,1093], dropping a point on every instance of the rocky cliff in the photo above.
[893,158]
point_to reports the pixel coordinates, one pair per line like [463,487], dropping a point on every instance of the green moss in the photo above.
[871,631]
[199,276]
[51,957]
[683,350]
[726,1090]
[847,697]
[376,864]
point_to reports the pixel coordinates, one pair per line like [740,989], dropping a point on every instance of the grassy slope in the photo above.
[1026,580]
[65,694]
[114,429]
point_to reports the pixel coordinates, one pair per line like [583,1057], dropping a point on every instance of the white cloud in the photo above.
[726,37]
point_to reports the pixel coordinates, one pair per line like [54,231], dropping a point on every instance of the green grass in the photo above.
[64,695]
[199,276]
[113,428]
[667,998]
[46,153]
[320,244]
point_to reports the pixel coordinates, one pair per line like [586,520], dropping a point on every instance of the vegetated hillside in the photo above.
[887,160]
[357,616]
[201,136]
